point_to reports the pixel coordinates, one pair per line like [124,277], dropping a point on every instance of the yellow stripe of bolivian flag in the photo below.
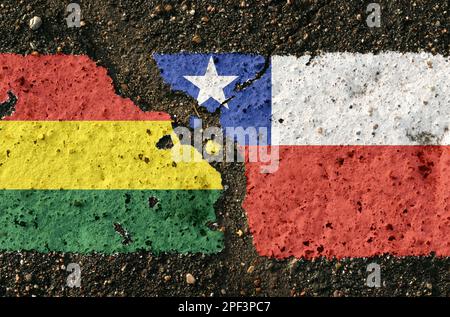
[97,155]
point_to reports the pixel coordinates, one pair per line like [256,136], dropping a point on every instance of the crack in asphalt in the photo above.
[9,106]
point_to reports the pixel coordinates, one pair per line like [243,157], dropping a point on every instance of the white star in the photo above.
[211,84]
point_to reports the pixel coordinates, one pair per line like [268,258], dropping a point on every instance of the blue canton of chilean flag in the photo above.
[212,79]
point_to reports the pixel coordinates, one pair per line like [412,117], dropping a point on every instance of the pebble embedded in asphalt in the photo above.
[35,23]
[190,279]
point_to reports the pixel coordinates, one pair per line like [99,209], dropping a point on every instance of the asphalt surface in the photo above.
[121,36]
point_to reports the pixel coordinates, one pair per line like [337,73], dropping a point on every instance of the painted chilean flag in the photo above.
[362,139]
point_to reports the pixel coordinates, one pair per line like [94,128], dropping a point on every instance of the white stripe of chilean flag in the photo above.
[364,164]
[361,99]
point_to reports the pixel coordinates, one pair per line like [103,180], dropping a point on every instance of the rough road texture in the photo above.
[121,37]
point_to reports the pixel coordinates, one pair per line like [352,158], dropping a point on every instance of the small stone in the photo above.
[196,39]
[157,9]
[359,17]
[292,265]
[168,8]
[239,233]
[337,293]
[223,292]
[205,19]
[124,87]
[167,278]
[17,278]
[35,23]
[28,277]
[338,265]
[82,23]
[290,2]
[190,279]
[192,12]
[429,285]
[258,290]
[35,53]
[251,269]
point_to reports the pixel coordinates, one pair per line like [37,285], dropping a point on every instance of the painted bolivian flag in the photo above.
[83,170]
